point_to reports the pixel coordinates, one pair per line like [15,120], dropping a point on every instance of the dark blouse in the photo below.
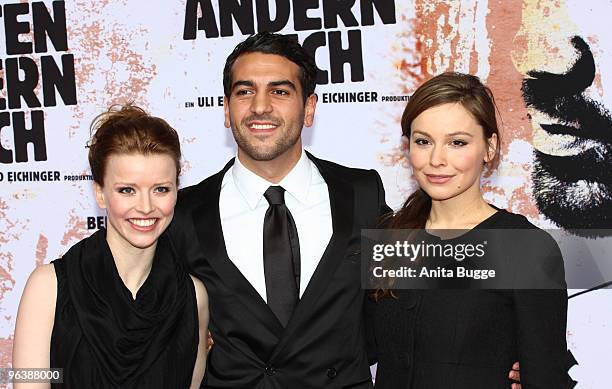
[446,338]
[104,338]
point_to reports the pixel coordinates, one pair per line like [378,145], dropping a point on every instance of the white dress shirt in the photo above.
[242,207]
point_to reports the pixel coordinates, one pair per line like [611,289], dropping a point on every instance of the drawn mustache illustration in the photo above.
[572,175]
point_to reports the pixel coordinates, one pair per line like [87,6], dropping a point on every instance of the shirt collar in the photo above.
[252,187]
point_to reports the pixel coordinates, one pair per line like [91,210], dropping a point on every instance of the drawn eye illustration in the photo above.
[572,175]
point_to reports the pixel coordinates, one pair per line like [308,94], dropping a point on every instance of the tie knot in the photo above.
[275,195]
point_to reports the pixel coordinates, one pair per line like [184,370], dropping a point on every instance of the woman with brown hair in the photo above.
[451,338]
[119,310]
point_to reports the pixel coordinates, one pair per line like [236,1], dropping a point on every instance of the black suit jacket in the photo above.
[323,345]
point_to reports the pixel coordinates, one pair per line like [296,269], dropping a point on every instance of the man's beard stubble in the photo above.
[289,137]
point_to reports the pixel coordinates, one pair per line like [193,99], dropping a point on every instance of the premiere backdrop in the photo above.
[547,62]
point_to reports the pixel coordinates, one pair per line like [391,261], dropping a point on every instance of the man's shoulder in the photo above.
[366,185]
[194,194]
[349,173]
[195,191]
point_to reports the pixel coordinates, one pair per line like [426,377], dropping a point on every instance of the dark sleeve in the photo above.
[370,305]
[181,233]
[383,208]
[541,323]
[369,311]
[175,232]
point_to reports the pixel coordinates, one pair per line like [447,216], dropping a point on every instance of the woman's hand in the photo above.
[515,374]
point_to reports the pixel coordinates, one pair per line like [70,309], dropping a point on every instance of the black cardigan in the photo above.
[470,338]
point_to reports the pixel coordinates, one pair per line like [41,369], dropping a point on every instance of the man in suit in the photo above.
[275,235]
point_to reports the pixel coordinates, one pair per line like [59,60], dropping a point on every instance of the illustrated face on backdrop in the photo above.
[565,93]
[448,152]
[266,110]
[139,195]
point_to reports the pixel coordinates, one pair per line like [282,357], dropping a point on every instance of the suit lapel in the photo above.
[341,202]
[207,221]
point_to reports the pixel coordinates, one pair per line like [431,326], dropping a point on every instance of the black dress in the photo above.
[103,338]
[444,338]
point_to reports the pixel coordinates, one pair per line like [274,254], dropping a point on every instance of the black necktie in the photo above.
[281,255]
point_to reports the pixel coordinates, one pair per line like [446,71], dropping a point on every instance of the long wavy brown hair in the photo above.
[449,87]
